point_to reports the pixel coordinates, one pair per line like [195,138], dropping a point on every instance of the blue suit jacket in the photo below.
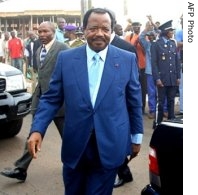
[117,113]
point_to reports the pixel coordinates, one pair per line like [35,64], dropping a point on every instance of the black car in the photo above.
[166,159]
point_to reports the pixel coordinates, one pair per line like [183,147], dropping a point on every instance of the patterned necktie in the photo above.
[42,55]
[168,43]
[93,77]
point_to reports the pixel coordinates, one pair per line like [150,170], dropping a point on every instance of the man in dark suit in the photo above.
[124,173]
[103,114]
[32,67]
[122,44]
[46,33]
[32,47]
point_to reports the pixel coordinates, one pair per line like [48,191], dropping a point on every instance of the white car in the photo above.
[15,101]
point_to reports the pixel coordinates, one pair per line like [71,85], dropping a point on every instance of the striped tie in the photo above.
[42,55]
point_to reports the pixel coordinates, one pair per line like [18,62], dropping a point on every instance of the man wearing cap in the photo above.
[79,33]
[73,40]
[146,38]
[165,70]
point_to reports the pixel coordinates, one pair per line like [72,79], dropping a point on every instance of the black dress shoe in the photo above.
[118,182]
[179,114]
[16,173]
[121,181]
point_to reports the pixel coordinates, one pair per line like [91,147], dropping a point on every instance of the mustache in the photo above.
[98,39]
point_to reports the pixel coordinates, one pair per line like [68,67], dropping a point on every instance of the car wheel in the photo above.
[148,190]
[11,128]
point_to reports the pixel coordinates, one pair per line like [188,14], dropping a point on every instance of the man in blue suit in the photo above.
[103,123]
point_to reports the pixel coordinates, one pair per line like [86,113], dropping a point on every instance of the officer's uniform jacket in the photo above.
[76,43]
[165,62]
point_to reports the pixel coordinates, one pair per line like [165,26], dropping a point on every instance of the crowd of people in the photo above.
[149,64]
[105,110]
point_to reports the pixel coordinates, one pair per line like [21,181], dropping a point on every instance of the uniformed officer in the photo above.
[165,70]
[71,33]
[79,33]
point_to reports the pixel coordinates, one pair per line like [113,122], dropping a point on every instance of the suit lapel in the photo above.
[81,74]
[49,53]
[38,57]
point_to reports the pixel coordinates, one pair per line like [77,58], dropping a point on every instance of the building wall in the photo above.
[23,23]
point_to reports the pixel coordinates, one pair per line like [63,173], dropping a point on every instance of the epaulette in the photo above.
[174,41]
[77,43]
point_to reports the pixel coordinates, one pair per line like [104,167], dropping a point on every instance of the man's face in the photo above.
[69,34]
[46,34]
[118,30]
[98,31]
[151,37]
[32,36]
[6,35]
[170,34]
[61,23]
[13,34]
[136,29]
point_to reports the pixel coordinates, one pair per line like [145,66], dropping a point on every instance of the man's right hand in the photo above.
[34,144]
[159,83]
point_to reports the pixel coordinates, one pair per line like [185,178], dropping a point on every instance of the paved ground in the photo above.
[44,174]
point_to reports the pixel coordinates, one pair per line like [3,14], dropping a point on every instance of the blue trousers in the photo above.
[17,63]
[89,177]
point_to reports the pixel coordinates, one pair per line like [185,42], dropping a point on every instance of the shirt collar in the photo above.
[59,30]
[48,46]
[165,40]
[91,53]
[112,36]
